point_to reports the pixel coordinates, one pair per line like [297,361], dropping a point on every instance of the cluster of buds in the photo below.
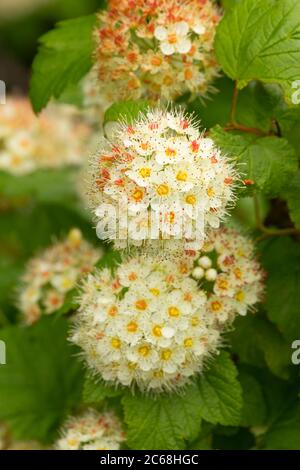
[157,50]
[91,431]
[54,139]
[49,277]
[162,179]
[228,270]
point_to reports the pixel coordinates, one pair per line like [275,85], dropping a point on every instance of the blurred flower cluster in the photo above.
[50,276]
[27,143]
[91,431]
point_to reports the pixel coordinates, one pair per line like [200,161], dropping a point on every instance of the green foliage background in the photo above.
[248,398]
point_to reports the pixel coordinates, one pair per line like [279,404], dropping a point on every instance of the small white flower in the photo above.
[173,38]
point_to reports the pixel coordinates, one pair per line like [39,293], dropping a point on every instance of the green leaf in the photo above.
[18,240]
[220,393]
[279,395]
[64,57]
[268,161]
[258,105]
[284,434]
[254,408]
[229,3]
[164,422]
[95,391]
[292,195]
[289,122]
[44,186]
[257,342]
[281,258]
[238,439]
[125,110]
[41,382]
[260,40]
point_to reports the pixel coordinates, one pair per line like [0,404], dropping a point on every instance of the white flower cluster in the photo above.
[156,50]
[52,275]
[91,431]
[170,181]
[27,143]
[229,271]
[146,325]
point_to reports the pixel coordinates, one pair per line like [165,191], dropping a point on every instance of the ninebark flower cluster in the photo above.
[157,50]
[152,325]
[50,276]
[170,181]
[54,139]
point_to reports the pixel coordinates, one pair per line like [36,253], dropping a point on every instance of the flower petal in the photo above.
[184,46]
[167,49]
[160,33]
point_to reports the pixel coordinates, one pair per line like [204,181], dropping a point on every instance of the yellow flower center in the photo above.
[131,365]
[133,84]
[168,81]
[162,190]
[181,176]
[132,327]
[210,192]
[238,273]
[190,199]
[165,355]
[156,60]
[154,291]
[188,74]
[132,276]
[216,306]
[156,331]
[223,284]
[141,304]
[145,172]
[138,195]
[240,296]
[72,442]
[144,145]
[116,343]
[112,311]
[195,321]
[158,374]
[170,152]
[188,342]
[144,351]
[172,38]
[174,311]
